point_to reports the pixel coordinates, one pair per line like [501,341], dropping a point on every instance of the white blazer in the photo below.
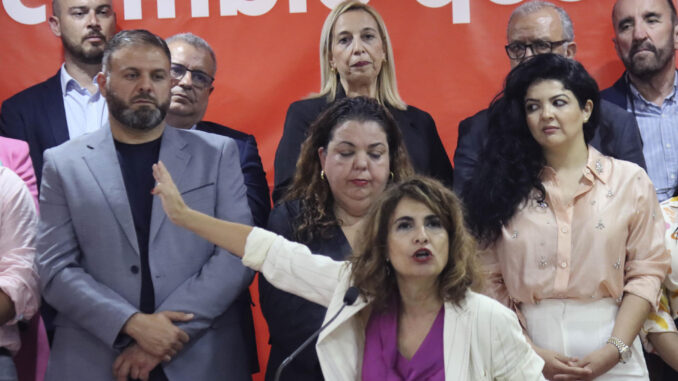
[482,338]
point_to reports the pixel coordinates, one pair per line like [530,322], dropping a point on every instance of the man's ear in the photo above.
[571,50]
[55,25]
[101,82]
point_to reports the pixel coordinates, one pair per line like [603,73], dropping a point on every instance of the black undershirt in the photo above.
[136,161]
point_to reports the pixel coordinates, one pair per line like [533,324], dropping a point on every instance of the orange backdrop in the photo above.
[449,54]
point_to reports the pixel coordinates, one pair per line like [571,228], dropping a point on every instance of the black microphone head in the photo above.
[351,295]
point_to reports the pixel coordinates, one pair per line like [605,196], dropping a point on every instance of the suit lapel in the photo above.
[102,161]
[173,154]
[457,341]
[55,111]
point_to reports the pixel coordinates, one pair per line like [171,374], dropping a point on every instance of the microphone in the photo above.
[349,298]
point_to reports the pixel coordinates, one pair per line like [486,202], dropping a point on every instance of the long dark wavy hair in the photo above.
[512,160]
[316,216]
[376,279]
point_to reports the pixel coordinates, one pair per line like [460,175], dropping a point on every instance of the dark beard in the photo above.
[144,118]
[647,69]
[92,57]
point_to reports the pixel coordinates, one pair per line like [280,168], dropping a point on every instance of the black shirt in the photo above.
[136,161]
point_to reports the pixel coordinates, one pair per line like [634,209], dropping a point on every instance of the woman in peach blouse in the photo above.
[573,240]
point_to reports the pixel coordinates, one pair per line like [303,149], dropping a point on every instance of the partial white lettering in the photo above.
[246,7]
[23,14]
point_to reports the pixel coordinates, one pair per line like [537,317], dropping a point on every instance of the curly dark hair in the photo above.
[316,202]
[512,160]
[376,279]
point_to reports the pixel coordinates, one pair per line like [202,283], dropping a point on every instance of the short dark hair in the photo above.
[126,38]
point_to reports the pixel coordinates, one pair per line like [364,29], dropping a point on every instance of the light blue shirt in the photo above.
[85,112]
[659,130]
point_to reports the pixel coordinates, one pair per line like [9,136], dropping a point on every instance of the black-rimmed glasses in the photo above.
[517,50]
[199,78]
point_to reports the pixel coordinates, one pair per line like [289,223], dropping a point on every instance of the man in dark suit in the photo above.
[646,39]
[194,66]
[134,292]
[69,103]
[535,28]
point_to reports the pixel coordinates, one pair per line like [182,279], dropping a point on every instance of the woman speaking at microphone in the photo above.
[415,318]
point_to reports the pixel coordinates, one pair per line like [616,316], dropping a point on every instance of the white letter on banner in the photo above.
[461,9]
[246,7]
[200,8]
[297,6]
[132,9]
[332,3]
[23,14]
[166,9]
[507,2]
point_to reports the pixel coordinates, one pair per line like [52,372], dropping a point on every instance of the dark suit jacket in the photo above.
[259,202]
[617,135]
[617,93]
[36,115]
[291,319]
[258,194]
[419,132]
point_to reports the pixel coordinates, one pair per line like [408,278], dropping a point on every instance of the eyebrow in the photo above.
[403,218]
[373,145]
[624,21]
[367,28]
[551,98]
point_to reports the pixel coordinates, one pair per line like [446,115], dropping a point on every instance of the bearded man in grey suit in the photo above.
[137,296]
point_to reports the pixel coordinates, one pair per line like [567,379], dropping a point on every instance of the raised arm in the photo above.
[228,235]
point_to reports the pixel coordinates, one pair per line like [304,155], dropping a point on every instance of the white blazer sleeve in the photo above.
[291,266]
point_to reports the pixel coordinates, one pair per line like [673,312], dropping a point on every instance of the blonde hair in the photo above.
[387,86]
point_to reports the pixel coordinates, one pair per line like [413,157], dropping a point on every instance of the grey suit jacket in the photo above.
[88,256]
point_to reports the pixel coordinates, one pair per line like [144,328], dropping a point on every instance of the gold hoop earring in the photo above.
[392,176]
[322,175]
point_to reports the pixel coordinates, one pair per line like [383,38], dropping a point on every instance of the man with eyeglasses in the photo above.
[646,38]
[193,67]
[539,27]
[69,102]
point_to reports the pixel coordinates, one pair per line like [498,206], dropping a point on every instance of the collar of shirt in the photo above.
[639,99]
[69,83]
[597,166]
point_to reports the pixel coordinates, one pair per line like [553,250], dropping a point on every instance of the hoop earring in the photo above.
[322,175]
[392,175]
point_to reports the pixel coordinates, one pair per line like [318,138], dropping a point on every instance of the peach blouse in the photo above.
[608,241]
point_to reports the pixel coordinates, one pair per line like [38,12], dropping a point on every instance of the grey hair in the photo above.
[196,42]
[127,38]
[534,6]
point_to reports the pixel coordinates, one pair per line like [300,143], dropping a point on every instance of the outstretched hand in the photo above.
[172,202]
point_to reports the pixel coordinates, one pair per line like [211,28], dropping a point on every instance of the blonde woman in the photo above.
[356,59]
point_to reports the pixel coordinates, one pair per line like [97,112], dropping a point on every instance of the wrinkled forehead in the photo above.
[544,24]
[631,8]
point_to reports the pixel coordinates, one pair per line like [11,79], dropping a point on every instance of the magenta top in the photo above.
[383,361]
